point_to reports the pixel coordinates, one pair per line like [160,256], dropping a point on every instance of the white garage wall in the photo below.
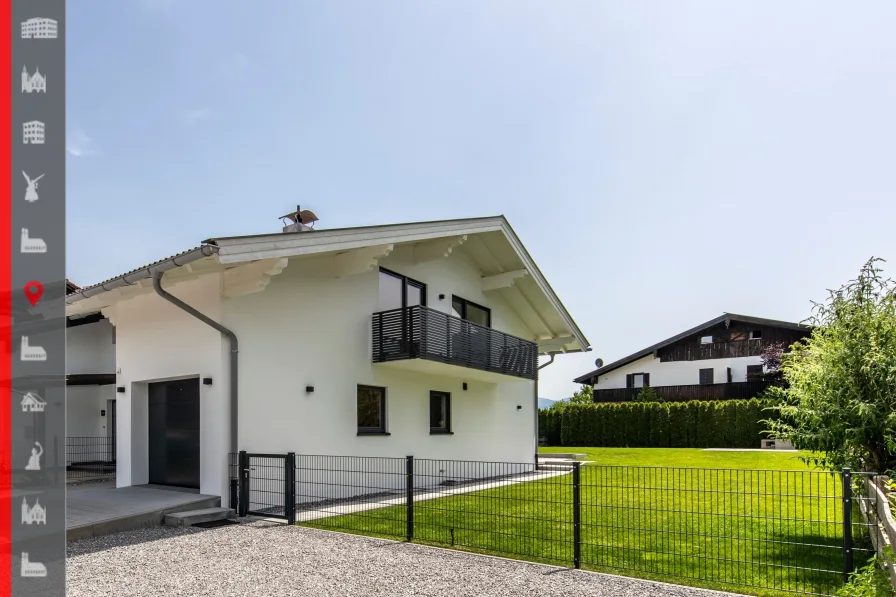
[89,348]
[156,341]
[678,373]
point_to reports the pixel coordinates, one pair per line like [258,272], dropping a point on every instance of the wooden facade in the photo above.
[728,342]
[720,391]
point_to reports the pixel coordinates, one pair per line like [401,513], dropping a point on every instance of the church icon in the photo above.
[36,83]
[35,514]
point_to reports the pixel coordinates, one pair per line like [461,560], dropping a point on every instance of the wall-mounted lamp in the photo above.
[441,297]
[519,407]
[465,386]
[206,381]
[120,389]
[309,389]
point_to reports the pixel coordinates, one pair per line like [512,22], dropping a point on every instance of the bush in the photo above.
[648,394]
[869,581]
[695,424]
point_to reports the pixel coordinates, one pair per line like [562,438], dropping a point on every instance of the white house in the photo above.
[717,359]
[407,339]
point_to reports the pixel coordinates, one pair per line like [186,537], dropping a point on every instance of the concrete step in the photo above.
[559,456]
[191,517]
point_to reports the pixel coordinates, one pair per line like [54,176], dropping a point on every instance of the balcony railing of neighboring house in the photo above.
[717,391]
[89,458]
[422,333]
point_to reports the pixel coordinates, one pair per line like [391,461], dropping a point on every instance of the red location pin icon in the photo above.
[33,291]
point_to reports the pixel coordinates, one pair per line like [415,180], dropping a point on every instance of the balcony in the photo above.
[430,341]
[742,390]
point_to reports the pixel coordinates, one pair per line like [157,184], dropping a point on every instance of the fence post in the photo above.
[576,515]
[848,565]
[243,475]
[290,489]
[409,484]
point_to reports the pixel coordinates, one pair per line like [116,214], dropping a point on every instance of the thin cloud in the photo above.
[193,116]
[79,144]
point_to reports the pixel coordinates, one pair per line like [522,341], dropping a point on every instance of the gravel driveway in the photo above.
[265,559]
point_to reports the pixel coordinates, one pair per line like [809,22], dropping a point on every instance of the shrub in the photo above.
[695,424]
[647,394]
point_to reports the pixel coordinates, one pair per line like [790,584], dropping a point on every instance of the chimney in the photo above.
[298,221]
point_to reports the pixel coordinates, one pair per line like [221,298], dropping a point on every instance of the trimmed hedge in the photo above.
[695,424]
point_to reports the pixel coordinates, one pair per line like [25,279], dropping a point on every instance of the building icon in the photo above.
[31,569]
[32,353]
[40,28]
[32,245]
[33,403]
[35,514]
[33,132]
[36,83]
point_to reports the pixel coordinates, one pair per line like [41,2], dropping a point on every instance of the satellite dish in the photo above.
[599,363]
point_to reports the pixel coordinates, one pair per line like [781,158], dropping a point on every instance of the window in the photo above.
[398,292]
[471,312]
[371,410]
[754,371]
[706,340]
[637,380]
[756,335]
[738,336]
[706,376]
[439,412]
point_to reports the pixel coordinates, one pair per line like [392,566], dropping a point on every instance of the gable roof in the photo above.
[723,318]
[507,257]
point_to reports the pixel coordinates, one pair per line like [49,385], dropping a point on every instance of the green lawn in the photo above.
[754,522]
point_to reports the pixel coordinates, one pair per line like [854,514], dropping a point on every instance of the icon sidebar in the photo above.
[35,556]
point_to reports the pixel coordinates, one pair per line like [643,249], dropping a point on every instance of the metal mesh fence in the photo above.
[779,531]
[89,458]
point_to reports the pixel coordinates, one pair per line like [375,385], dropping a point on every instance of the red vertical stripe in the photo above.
[6,300]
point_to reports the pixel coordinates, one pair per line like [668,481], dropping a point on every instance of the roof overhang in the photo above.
[248,262]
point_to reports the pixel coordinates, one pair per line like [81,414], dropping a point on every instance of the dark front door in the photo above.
[174,433]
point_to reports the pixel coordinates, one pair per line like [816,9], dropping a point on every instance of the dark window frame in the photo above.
[754,370]
[712,376]
[630,380]
[446,430]
[754,336]
[405,282]
[381,429]
[465,303]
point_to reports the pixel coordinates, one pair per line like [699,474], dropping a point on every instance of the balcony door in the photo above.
[401,331]
[471,342]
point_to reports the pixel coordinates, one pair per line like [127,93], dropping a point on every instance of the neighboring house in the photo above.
[408,339]
[715,360]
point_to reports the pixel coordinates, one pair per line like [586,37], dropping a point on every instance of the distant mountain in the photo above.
[545,403]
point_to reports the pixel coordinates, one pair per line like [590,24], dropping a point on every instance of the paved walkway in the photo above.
[96,504]
[260,558]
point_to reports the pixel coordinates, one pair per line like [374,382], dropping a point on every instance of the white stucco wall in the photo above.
[89,348]
[678,373]
[84,407]
[309,328]
[156,341]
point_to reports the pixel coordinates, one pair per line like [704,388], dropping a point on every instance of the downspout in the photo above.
[540,367]
[234,353]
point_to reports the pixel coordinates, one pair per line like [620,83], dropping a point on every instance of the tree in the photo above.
[771,356]
[840,402]
[583,396]
[647,394]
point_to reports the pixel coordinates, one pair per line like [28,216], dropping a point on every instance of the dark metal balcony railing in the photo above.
[423,333]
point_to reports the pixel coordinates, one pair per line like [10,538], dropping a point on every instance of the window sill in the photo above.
[374,433]
[434,432]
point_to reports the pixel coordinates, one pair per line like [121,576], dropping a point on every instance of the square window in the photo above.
[439,412]
[371,409]
[706,340]
[706,376]
[754,371]
[756,335]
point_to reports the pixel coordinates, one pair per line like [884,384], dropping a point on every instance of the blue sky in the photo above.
[663,161]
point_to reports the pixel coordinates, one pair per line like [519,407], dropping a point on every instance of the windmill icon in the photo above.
[31,192]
